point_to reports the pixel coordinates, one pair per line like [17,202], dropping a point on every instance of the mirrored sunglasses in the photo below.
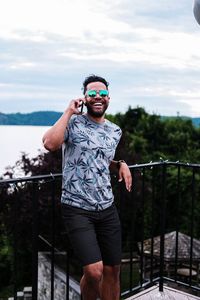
[93,93]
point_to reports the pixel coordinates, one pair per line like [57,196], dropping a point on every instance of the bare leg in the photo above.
[90,281]
[110,285]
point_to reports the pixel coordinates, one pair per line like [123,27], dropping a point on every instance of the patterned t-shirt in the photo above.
[88,150]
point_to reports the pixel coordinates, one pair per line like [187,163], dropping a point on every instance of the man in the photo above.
[90,216]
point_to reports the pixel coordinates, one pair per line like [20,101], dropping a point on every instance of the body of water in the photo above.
[17,139]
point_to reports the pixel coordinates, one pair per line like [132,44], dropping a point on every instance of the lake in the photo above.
[17,139]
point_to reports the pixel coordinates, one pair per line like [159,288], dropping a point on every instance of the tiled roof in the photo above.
[184,246]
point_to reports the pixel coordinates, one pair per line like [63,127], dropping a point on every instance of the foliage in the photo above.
[16,215]
[150,137]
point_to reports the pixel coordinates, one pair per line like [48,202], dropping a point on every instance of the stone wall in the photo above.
[44,281]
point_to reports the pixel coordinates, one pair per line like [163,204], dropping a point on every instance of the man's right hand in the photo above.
[74,105]
[54,137]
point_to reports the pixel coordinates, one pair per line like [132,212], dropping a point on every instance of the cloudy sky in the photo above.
[148,50]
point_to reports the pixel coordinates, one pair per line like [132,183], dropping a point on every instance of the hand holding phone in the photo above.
[76,106]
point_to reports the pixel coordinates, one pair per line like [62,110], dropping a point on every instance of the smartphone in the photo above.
[81,107]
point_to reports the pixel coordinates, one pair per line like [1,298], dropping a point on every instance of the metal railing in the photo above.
[164,198]
[33,185]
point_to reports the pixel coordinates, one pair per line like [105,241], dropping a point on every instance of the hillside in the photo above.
[48,118]
[195,121]
[40,118]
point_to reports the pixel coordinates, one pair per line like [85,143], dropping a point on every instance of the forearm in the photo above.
[54,137]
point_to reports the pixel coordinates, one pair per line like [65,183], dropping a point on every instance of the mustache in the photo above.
[102,101]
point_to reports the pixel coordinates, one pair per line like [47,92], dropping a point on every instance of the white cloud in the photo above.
[63,17]
[190,94]
[97,35]
[48,45]
[23,91]
[151,46]
[22,65]
[194,108]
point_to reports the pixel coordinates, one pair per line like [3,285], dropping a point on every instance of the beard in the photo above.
[93,112]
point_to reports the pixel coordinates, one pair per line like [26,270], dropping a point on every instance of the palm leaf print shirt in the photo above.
[88,150]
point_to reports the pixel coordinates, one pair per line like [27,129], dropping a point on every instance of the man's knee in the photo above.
[93,272]
[111,272]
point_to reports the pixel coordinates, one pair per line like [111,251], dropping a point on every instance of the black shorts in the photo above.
[94,235]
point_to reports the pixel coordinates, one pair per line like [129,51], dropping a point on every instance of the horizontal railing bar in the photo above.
[31,178]
[47,243]
[166,162]
[138,287]
[156,280]
[181,283]
[59,175]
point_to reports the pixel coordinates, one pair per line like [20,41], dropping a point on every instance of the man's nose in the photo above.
[97,95]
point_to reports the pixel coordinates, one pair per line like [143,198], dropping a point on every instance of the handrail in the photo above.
[165,162]
[135,166]
[30,178]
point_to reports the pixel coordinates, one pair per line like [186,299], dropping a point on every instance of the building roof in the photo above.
[184,246]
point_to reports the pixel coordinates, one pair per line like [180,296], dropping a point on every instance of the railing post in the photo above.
[15,258]
[67,273]
[152,222]
[35,242]
[177,220]
[192,225]
[120,209]
[52,237]
[132,197]
[142,231]
[162,225]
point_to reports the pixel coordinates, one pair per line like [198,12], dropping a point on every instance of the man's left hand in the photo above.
[124,173]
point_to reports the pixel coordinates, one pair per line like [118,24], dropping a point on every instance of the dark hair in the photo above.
[93,78]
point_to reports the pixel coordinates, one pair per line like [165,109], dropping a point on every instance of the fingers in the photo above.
[75,104]
[120,177]
[78,102]
[128,182]
[126,175]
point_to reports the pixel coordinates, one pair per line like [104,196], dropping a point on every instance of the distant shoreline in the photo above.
[32,125]
[40,118]
[48,118]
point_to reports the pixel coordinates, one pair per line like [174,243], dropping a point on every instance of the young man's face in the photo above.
[97,99]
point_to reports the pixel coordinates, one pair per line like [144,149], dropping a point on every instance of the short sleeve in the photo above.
[68,128]
[66,135]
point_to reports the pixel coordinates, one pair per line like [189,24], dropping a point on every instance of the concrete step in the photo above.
[26,294]
[20,296]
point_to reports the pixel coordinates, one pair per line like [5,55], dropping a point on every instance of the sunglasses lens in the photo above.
[91,93]
[103,93]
